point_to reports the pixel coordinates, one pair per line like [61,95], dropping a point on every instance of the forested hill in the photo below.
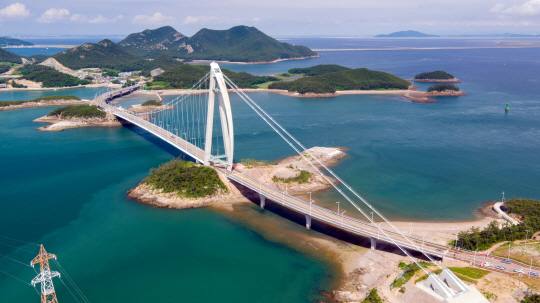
[239,44]
[103,54]
[350,79]
[11,41]
[7,56]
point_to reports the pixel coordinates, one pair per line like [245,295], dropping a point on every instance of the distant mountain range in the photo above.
[237,44]
[7,41]
[404,34]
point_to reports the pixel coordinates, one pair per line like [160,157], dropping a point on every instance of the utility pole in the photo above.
[48,295]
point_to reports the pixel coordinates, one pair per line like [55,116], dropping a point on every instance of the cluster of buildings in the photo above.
[100,77]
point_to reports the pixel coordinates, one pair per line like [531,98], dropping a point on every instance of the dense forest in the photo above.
[49,77]
[239,43]
[443,87]
[186,75]
[4,68]
[163,61]
[78,111]
[354,79]
[439,75]
[185,178]
[18,102]
[318,69]
[527,209]
[7,56]
[103,54]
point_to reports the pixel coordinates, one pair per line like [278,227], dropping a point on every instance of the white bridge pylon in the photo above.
[218,88]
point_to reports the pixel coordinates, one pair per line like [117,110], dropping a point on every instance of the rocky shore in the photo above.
[286,168]
[59,124]
[143,109]
[45,103]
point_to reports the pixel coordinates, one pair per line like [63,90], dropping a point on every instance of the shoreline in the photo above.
[44,104]
[59,88]
[57,124]
[253,63]
[410,94]
[453,80]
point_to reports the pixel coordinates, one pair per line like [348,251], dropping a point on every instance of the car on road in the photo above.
[519,270]
[533,273]
[487,264]
[438,249]
[500,268]
[506,261]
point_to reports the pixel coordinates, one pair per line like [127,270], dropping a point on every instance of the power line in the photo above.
[33,253]
[6,257]
[19,240]
[16,278]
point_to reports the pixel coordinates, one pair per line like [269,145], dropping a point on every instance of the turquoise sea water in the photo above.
[412,161]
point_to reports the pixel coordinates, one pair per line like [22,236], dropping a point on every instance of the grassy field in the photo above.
[519,253]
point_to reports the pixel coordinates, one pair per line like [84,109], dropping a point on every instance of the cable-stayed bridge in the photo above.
[187,123]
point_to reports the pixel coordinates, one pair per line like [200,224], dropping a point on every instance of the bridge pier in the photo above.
[373,243]
[262,200]
[308,221]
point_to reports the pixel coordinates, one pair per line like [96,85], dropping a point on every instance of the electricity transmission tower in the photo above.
[48,295]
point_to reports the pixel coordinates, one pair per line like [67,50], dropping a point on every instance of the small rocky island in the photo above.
[148,106]
[435,77]
[75,116]
[180,184]
[438,90]
[42,101]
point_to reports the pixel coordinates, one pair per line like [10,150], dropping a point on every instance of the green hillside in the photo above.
[7,56]
[49,77]
[318,69]
[163,61]
[103,54]
[354,79]
[186,75]
[4,41]
[151,43]
[240,44]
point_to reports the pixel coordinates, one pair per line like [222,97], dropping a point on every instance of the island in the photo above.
[237,44]
[436,76]
[42,101]
[174,184]
[7,41]
[75,116]
[148,106]
[406,34]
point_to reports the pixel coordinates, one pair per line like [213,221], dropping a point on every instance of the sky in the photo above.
[278,18]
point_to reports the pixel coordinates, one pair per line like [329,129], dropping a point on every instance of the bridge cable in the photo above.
[339,190]
[339,179]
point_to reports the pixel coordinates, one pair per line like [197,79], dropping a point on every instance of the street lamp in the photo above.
[410,233]
[337,207]
[378,230]
[423,242]
[310,206]
[509,250]
[372,217]
[474,261]
[530,268]
[342,218]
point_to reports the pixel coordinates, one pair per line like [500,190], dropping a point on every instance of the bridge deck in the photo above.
[298,205]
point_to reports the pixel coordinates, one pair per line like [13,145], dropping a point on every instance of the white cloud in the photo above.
[529,8]
[79,18]
[98,19]
[255,20]
[153,19]
[16,10]
[53,14]
[205,19]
